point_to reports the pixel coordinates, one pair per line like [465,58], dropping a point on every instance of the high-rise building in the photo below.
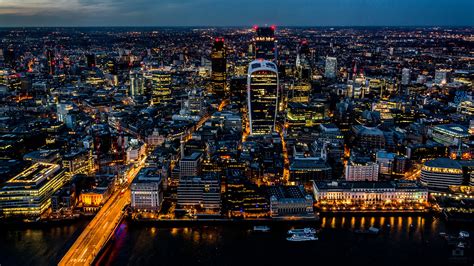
[137,83]
[303,63]
[51,62]
[406,73]
[330,70]
[218,62]
[265,43]
[160,87]
[262,96]
[90,58]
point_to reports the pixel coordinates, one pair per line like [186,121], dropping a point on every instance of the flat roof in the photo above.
[349,185]
[444,163]
[34,174]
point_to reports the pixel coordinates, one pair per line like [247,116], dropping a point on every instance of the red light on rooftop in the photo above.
[273,27]
[255,27]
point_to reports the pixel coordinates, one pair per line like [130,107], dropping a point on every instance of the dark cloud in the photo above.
[236,12]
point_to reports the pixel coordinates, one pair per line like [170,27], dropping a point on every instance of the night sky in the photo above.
[236,13]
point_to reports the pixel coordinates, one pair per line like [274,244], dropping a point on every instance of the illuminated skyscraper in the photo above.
[406,73]
[262,96]
[218,60]
[265,43]
[330,70]
[90,60]
[160,87]
[51,62]
[137,83]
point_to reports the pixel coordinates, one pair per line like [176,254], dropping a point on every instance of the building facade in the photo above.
[218,67]
[29,193]
[147,190]
[262,96]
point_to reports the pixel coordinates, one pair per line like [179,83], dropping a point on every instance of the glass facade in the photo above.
[262,97]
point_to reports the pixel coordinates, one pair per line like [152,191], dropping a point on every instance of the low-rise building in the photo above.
[362,171]
[290,201]
[356,195]
[202,192]
[441,173]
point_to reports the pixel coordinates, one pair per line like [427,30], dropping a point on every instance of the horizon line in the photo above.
[240,26]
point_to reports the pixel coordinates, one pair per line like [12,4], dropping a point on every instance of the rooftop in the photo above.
[444,163]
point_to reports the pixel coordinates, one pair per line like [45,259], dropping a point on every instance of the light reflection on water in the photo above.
[235,244]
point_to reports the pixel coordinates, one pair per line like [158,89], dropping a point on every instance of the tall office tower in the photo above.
[137,83]
[262,96]
[51,61]
[113,71]
[90,58]
[9,57]
[303,64]
[160,87]
[265,43]
[442,76]
[330,70]
[304,49]
[218,63]
[406,76]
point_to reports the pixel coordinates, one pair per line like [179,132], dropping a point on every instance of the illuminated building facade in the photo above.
[218,63]
[160,87]
[442,76]
[380,195]
[51,62]
[244,199]
[137,84]
[199,192]
[299,92]
[29,193]
[406,76]
[362,171]
[265,43]
[146,190]
[290,201]
[330,69]
[450,134]
[262,96]
[78,162]
[441,173]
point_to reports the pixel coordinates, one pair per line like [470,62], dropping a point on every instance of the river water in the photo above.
[138,244]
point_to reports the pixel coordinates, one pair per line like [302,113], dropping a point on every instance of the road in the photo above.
[98,231]
[286,161]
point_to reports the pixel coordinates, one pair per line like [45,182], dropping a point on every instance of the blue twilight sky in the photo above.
[236,12]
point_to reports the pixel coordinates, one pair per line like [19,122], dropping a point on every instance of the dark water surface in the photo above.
[399,244]
[137,244]
[37,245]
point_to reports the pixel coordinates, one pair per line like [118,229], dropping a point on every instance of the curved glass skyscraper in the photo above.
[262,96]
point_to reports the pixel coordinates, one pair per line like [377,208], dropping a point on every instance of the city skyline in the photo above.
[240,13]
